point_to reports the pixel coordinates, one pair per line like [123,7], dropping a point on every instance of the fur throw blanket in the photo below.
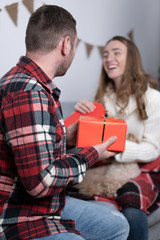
[107,179]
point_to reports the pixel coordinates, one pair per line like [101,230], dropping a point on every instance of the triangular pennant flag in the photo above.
[29,5]
[130,35]
[101,49]
[89,48]
[78,41]
[12,11]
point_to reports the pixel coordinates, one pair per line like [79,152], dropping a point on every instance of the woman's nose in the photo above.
[109,58]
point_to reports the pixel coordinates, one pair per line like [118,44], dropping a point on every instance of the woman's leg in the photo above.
[138,223]
[94,221]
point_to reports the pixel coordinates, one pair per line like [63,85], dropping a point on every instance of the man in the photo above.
[35,169]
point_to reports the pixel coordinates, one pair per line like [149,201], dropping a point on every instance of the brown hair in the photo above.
[46,26]
[135,80]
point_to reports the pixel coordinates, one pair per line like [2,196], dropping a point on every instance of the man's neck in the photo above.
[45,62]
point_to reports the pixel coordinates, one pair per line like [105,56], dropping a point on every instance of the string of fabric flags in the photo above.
[89,47]
[12,11]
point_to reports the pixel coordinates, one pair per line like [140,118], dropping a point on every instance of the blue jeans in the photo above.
[62,236]
[138,222]
[136,218]
[95,222]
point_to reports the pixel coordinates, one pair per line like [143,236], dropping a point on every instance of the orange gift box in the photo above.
[92,131]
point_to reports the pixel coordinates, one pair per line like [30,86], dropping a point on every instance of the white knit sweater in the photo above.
[147,131]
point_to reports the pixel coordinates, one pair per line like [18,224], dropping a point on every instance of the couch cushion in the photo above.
[154,218]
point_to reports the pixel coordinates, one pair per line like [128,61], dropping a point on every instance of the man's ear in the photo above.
[66,46]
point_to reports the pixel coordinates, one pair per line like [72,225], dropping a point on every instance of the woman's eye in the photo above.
[117,53]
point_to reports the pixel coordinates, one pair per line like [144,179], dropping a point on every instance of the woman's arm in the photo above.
[149,147]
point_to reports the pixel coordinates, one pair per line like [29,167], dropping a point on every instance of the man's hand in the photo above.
[101,149]
[71,132]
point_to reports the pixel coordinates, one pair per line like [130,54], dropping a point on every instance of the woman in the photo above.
[128,92]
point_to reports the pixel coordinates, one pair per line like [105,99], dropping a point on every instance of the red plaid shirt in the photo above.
[34,167]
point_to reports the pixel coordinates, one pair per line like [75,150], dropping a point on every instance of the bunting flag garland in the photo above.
[89,48]
[101,49]
[29,5]
[130,35]
[78,41]
[12,11]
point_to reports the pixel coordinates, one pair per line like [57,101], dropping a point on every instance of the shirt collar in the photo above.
[39,74]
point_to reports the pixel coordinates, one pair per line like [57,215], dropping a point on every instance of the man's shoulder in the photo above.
[17,80]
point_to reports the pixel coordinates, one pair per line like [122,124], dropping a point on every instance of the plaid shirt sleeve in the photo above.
[36,135]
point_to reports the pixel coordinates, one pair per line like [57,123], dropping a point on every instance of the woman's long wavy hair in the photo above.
[135,81]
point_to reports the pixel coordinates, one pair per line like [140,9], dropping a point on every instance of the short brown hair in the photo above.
[46,26]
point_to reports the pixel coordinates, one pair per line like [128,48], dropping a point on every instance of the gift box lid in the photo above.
[99,111]
[102,119]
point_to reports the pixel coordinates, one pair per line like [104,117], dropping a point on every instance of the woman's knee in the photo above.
[134,214]
[138,223]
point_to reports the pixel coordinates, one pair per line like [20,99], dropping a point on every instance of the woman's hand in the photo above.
[84,106]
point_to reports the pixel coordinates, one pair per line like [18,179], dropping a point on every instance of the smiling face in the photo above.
[114,61]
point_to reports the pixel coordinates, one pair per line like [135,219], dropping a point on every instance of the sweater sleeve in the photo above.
[149,147]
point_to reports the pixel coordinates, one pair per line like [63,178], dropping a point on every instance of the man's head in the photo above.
[51,39]
[46,26]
